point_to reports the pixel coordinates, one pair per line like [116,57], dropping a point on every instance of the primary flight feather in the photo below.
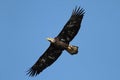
[60,43]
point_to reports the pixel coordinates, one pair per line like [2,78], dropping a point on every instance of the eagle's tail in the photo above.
[72,49]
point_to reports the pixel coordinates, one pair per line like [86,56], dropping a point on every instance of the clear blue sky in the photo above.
[24,25]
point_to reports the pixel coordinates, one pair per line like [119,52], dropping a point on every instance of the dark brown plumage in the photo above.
[59,43]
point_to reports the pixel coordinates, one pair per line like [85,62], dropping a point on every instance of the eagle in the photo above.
[60,43]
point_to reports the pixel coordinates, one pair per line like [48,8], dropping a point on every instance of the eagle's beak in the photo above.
[51,40]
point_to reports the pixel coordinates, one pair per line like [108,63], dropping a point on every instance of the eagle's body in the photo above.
[69,48]
[59,43]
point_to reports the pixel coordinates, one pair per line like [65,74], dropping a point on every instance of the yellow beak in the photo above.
[49,39]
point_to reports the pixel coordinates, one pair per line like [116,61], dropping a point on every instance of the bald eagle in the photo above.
[60,43]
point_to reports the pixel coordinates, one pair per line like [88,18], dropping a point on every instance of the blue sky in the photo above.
[25,24]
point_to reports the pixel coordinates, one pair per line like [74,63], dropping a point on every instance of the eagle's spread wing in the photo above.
[50,56]
[72,26]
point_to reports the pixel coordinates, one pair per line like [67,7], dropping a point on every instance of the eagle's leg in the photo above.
[72,49]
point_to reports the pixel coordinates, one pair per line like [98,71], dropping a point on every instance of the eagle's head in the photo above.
[52,40]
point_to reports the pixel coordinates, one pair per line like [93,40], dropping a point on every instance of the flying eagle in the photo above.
[60,43]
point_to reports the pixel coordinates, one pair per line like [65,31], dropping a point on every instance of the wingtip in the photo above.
[31,73]
[78,11]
